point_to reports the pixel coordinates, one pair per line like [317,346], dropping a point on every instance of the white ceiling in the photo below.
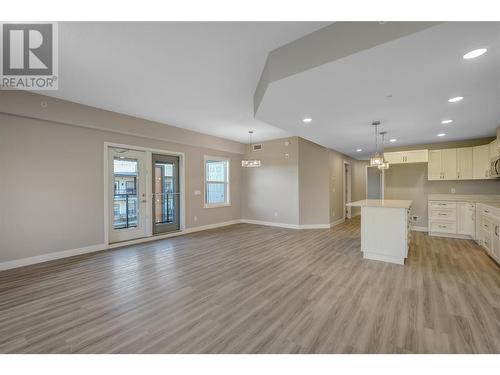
[420,71]
[194,75]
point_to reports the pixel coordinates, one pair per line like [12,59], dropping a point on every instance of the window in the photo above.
[216,182]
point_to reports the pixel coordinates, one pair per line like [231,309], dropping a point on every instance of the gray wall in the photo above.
[52,184]
[409,181]
[314,183]
[305,189]
[271,192]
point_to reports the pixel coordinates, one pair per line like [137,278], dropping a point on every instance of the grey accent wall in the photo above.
[271,192]
[409,181]
[314,183]
[304,189]
[35,106]
[52,184]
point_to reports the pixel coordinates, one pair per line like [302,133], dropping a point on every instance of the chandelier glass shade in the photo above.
[250,162]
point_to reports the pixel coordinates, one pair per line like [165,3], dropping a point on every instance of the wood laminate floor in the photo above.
[254,289]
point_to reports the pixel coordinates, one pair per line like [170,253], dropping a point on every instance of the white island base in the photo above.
[385,232]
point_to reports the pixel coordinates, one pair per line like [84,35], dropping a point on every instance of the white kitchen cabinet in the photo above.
[488,229]
[481,162]
[495,240]
[442,164]
[403,157]
[494,148]
[449,164]
[464,163]
[434,168]
[452,219]
[466,219]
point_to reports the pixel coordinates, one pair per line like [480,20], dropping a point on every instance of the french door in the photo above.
[165,193]
[127,194]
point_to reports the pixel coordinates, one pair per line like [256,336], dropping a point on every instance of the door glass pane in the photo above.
[164,193]
[125,203]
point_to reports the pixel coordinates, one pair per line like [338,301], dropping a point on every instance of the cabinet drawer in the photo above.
[443,227]
[443,214]
[487,227]
[487,242]
[441,204]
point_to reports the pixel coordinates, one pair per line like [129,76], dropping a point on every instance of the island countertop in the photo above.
[382,203]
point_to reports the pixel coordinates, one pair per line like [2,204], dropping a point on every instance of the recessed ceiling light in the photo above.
[392,140]
[455,99]
[359,150]
[476,53]
[446,121]
[307,120]
[441,134]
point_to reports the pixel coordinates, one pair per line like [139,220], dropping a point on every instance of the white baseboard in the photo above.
[93,248]
[337,222]
[211,226]
[292,226]
[417,228]
[51,256]
[270,224]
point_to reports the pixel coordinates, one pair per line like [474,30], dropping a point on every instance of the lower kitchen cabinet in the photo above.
[452,219]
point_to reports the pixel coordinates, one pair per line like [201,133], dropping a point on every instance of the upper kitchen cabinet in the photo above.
[494,149]
[435,168]
[403,157]
[464,163]
[442,164]
[481,162]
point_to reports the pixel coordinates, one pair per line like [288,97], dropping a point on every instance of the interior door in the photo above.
[166,194]
[127,194]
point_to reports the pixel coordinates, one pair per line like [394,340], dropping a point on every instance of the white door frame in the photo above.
[149,197]
[382,181]
[132,233]
[347,185]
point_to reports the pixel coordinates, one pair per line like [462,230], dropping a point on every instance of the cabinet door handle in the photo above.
[496,230]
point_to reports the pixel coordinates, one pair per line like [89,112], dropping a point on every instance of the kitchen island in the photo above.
[385,229]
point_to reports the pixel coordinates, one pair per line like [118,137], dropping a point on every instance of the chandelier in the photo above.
[250,163]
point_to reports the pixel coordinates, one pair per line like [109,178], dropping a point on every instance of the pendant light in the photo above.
[250,163]
[376,159]
[385,164]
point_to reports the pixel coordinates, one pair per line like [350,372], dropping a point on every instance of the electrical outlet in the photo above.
[196,218]
[453,190]
[275,214]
